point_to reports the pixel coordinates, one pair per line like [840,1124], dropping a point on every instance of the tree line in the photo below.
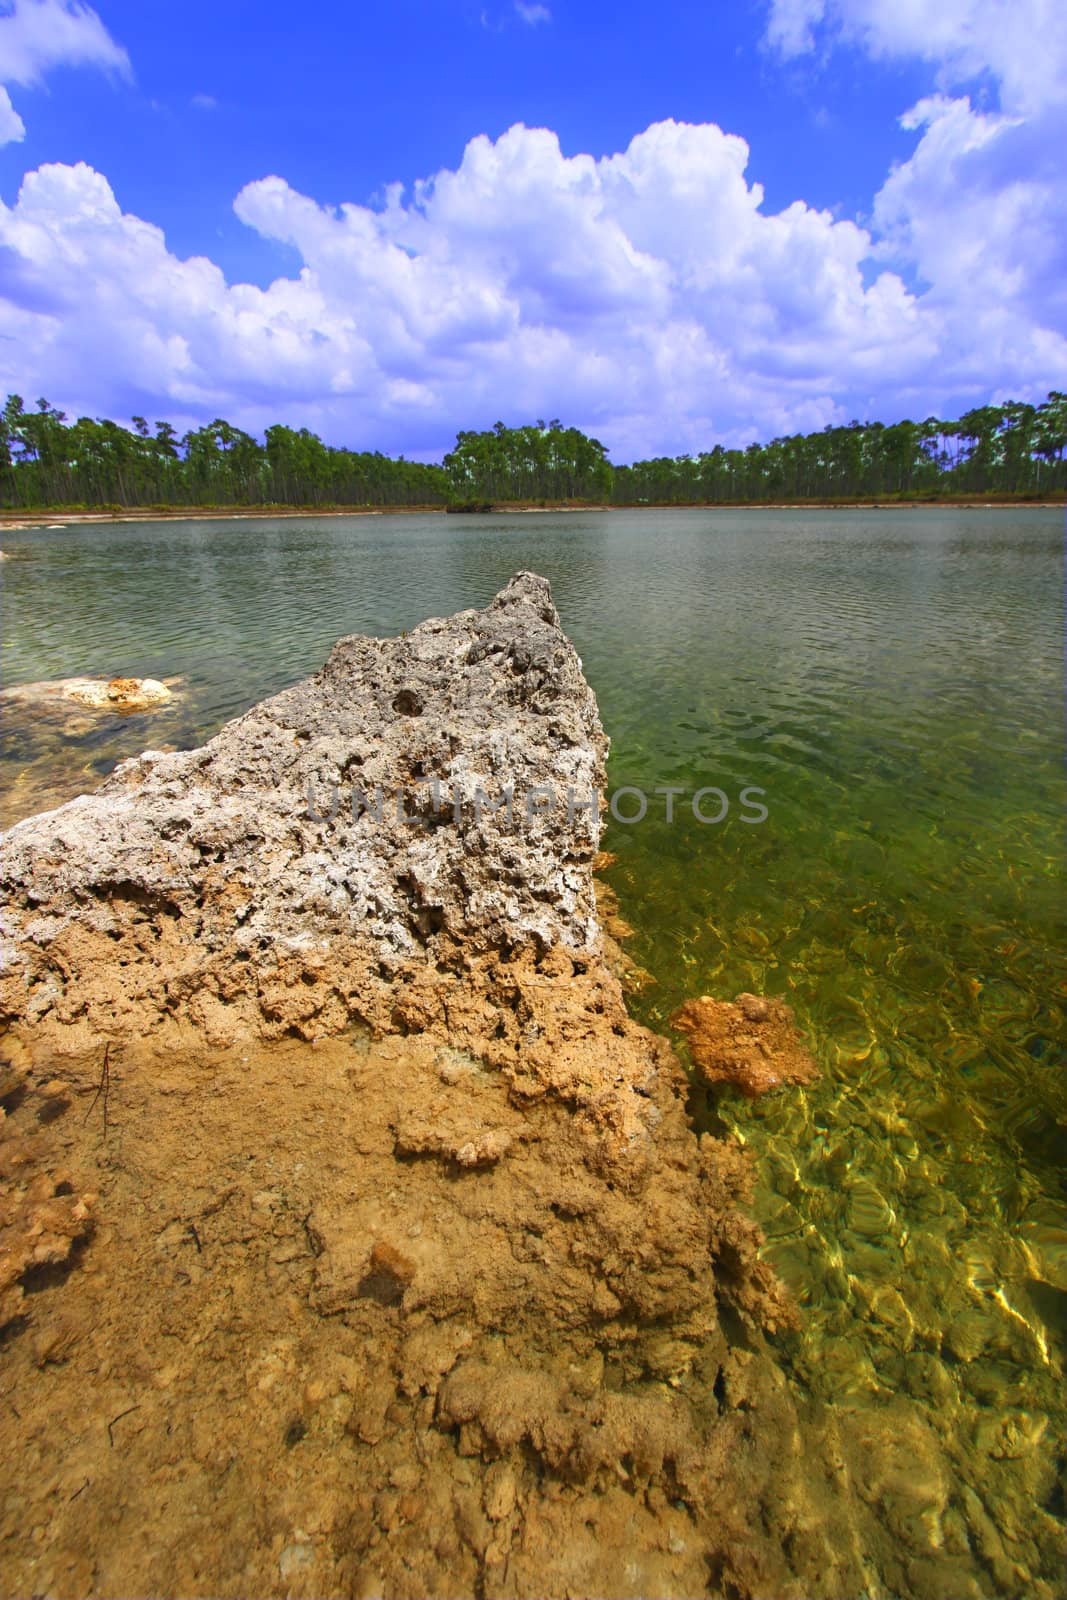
[1012,449]
[44,461]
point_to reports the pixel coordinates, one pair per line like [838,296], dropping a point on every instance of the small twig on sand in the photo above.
[104,1086]
[111,1424]
[196,1237]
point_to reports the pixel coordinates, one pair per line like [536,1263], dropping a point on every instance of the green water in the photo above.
[893,682]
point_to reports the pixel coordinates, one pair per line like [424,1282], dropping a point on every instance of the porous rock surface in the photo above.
[752,1044]
[330,850]
[437,1238]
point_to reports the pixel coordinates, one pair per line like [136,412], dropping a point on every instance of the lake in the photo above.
[892,683]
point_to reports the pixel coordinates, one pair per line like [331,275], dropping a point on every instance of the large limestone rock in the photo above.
[347,848]
[440,1227]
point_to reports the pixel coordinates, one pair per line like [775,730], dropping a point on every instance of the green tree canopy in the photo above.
[1013,448]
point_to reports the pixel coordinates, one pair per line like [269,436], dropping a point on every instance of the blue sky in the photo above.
[673,226]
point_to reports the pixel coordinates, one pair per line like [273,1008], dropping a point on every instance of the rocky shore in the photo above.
[353,1238]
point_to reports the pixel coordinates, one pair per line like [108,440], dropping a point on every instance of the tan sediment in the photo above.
[310,1348]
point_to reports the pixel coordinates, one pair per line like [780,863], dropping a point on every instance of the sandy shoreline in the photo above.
[15,521]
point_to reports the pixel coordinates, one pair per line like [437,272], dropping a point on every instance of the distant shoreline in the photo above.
[14,520]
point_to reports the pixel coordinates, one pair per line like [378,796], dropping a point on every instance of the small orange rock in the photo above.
[752,1045]
[386,1258]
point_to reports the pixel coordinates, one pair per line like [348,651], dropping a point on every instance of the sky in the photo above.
[708,221]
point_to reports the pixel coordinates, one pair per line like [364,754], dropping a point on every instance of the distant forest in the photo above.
[45,461]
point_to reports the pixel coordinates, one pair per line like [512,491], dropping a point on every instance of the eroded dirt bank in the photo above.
[355,1241]
[310,1350]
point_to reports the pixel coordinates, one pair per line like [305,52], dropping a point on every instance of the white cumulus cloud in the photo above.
[1022,43]
[12,127]
[36,35]
[978,213]
[649,296]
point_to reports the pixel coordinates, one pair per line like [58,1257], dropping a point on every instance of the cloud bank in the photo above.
[648,296]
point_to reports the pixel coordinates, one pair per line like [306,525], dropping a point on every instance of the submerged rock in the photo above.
[752,1045]
[119,694]
[96,694]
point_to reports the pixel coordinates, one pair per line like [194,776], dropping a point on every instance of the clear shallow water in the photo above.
[894,682]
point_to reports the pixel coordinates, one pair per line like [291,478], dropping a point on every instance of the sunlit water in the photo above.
[893,682]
